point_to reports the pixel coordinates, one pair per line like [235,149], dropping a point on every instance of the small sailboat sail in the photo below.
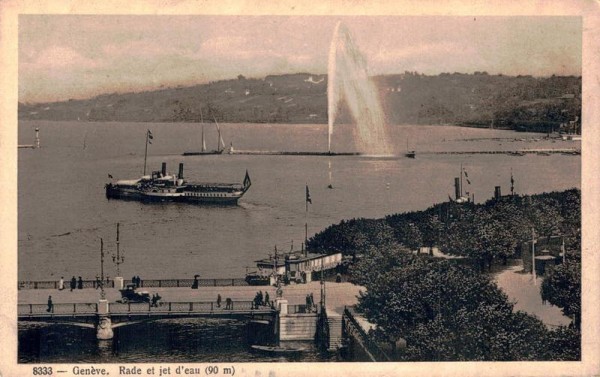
[202,123]
[204,151]
[220,142]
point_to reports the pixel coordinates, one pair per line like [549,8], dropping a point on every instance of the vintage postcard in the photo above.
[256,189]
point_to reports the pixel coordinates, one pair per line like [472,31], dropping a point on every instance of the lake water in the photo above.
[63,211]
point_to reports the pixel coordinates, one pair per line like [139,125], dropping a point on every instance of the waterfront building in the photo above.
[299,266]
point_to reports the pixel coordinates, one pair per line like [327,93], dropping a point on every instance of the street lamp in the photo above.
[102,293]
[118,258]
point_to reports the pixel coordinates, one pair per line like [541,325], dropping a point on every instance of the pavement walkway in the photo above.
[337,295]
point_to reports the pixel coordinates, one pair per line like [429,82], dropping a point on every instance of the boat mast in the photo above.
[202,123]
[219,139]
[461,174]
[146,151]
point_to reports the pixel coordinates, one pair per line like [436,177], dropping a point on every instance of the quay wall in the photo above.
[298,326]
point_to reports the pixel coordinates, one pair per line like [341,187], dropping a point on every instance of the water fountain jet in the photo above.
[348,79]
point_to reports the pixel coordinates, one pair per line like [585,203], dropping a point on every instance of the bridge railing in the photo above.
[139,307]
[77,308]
[149,283]
[303,309]
[369,343]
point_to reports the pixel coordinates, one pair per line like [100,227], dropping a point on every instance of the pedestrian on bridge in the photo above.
[228,304]
[50,305]
[80,283]
[218,301]
[73,283]
[196,282]
[266,298]
[61,284]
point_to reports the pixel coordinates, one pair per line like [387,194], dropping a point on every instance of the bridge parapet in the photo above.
[148,283]
[362,346]
[198,307]
[33,309]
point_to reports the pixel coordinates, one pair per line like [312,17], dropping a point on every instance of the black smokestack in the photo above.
[164,169]
[180,175]
[497,192]
[457,188]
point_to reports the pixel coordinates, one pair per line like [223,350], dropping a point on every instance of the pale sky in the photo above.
[73,56]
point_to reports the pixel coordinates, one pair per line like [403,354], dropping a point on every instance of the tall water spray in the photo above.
[347,78]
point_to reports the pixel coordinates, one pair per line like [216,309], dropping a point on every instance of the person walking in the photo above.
[266,298]
[260,298]
[218,301]
[73,283]
[98,282]
[50,305]
[61,284]
[196,282]
[80,283]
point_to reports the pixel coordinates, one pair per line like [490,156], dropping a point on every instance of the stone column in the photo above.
[282,305]
[118,283]
[104,327]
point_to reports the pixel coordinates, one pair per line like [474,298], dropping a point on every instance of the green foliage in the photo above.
[564,343]
[353,237]
[484,233]
[446,311]
[562,288]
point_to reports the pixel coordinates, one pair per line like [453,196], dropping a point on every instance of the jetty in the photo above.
[37,141]
[291,153]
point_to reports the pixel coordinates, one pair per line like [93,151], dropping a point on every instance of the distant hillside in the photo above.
[410,98]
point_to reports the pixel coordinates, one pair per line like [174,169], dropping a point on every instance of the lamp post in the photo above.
[102,293]
[118,259]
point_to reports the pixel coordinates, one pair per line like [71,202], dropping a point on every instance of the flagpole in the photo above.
[146,153]
[533,255]
[306,217]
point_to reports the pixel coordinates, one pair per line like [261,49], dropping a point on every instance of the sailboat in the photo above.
[409,153]
[220,143]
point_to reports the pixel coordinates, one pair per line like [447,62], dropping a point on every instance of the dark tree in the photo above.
[562,287]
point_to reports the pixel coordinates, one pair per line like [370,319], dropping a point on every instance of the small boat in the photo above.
[276,350]
[220,143]
[409,154]
[257,279]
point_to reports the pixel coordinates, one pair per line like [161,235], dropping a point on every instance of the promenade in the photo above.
[338,295]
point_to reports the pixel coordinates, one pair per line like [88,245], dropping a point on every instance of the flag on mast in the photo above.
[308,199]
[150,137]
[247,181]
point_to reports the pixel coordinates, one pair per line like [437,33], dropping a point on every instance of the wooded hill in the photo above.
[533,103]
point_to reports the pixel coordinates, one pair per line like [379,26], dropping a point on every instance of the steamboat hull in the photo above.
[160,187]
[198,197]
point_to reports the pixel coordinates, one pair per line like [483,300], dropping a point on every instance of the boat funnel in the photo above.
[180,175]
[457,188]
[164,169]
[497,192]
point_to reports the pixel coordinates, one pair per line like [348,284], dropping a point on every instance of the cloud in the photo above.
[58,57]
